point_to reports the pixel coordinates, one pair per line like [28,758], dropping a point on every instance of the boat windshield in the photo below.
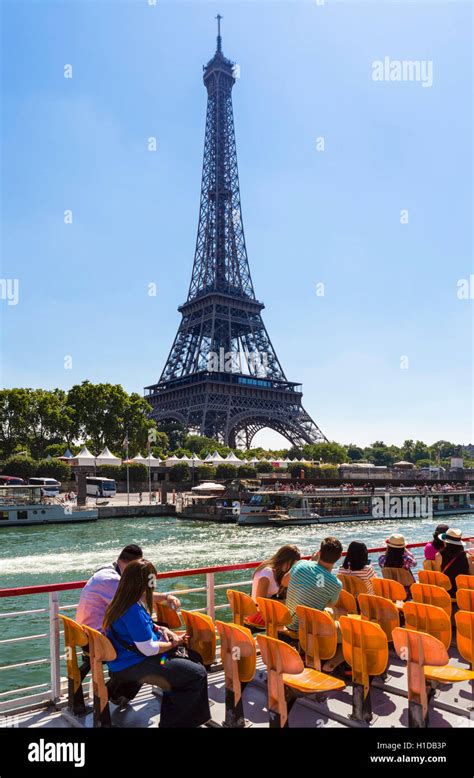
[271,500]
[20,495]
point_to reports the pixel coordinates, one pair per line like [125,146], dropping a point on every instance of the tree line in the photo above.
[39,422]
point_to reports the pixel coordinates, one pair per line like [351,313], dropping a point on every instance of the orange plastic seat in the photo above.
[404,577]
[242,607]
[346,603]
[202,635]
[430,619]
[389,588]
[429,564]
[275,615]
[101,650]
[465,599]
[239,657]
[426,658]
[381,611]
[465,635]
[352,584]
[365,649]
[432,595]
[74,635]
[465,581]
[317,635]
[288,678]
[434,578]
[166,616]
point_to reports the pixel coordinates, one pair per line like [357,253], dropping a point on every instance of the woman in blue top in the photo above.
[147,653]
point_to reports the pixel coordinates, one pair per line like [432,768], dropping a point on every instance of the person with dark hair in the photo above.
[452,559]
[96,596]
[146,653]
[312,582]
[99,590]
[397,554]
[356,562]
[432,548]
[270,579]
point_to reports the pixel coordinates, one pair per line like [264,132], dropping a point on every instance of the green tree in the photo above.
[55,449]
[225,471]
[138,473]
[54,468]
[205,472]
[197,443]
[264,467]
[176,433]
[354,452]
[246,471]
[180,472]
[105,413]
[21,466]
[327,452]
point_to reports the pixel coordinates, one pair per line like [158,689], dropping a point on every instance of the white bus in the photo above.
[49,486]
[101,487]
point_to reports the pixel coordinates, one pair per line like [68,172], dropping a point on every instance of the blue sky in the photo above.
[310,217]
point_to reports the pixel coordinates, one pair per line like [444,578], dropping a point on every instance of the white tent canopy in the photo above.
[152,461]
[84,458]
[107,458]
[233,460]
[138,459]
[215,457]
[173,461]
[208,487]
[195,459]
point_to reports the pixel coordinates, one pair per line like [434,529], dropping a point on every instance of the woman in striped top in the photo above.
[356,562]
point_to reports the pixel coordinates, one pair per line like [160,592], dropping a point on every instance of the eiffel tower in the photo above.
[222,377]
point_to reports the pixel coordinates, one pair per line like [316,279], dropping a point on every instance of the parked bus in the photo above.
[49,486]
[101,487]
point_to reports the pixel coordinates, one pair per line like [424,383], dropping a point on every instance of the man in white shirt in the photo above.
[100,589]
[95,598]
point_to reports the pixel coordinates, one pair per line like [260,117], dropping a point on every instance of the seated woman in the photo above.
[397,555]
[147,653]
[270,579]
[356,562]
[452,559]
[432,548]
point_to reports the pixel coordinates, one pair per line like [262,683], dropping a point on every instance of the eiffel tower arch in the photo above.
[222,377]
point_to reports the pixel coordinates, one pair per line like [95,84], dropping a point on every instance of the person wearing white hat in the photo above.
[397,554]
[452,559]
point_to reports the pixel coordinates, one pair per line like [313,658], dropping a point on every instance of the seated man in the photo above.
[95,598]
[313,584]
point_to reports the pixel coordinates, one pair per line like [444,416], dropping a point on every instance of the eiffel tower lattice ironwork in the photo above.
[222,377]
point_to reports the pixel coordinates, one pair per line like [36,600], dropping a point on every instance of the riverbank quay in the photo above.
[135,511]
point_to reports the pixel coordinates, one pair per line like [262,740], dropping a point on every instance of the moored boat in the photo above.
[26,505]
[325,506]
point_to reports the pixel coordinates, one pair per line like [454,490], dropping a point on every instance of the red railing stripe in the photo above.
[62,587]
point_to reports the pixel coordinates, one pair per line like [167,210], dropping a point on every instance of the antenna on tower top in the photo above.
[219,39]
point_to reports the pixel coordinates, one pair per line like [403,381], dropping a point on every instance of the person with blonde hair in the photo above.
[270,578]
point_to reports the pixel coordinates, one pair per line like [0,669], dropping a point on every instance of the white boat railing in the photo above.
[51,691]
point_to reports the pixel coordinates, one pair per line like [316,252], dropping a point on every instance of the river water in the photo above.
[71,552]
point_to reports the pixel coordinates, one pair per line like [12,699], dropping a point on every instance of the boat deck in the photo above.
[449,708]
